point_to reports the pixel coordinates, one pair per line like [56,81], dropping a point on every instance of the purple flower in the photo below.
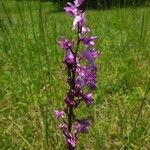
[90,55]
[88,75]
[69,58]
[63,127]
[88,99]
[84,30]
[69,138]
[80,81]
[71,9]
[90,78]
[58,114]
[91,85]
[68,101]
[89,41]
[65,44]
[93,68]
[78,2]
[79,20]
[82,126]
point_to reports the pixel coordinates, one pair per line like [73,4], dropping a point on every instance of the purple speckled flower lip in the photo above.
[81,78]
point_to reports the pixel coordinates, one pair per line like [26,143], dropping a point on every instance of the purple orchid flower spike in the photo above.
[79,76]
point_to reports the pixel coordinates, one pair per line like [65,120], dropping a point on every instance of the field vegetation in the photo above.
[32,77]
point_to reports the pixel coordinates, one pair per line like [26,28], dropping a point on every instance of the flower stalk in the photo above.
[81,76]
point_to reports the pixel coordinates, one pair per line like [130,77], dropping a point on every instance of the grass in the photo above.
[32,77]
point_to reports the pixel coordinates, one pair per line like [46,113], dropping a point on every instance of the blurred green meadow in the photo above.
[32,78]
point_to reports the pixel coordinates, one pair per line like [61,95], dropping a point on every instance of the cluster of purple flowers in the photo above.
[80,75]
